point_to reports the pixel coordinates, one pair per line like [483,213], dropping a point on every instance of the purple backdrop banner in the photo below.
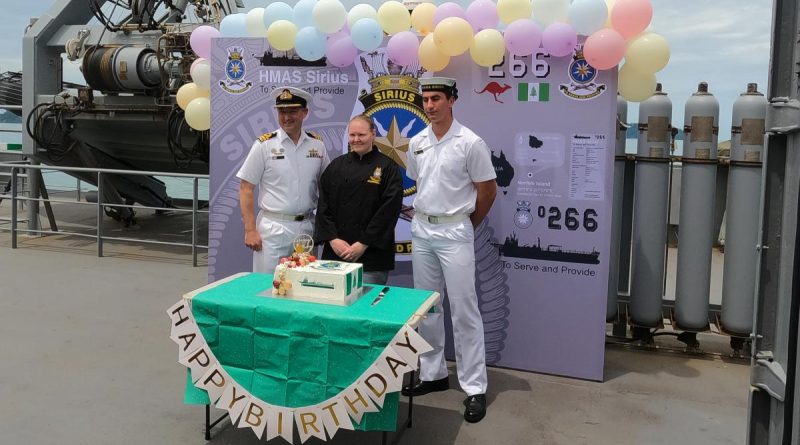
[542,257]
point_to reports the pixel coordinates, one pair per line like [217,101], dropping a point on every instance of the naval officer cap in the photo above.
[445,85]
[290,97]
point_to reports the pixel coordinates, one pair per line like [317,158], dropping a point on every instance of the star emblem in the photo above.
[394,144]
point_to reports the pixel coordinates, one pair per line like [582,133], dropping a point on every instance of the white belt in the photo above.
[284,216]
[440,219]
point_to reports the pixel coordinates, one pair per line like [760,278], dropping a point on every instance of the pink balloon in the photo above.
[522,37]
[341,52]
[604,49]
[446,10]
[631,17]
[200,40]
[482,14]
[403,48]
[559,39]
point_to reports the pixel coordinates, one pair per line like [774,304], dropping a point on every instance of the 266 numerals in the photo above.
[572,219]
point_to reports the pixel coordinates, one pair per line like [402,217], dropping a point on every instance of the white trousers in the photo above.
[277,240]
[443,255]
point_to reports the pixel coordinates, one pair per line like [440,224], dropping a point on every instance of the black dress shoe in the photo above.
[425,387]
[475,408]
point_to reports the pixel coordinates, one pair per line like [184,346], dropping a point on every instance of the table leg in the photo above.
[411,400]
[384,437]
[210,424]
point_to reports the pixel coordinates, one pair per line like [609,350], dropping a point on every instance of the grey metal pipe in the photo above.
[696,223]
[616,213]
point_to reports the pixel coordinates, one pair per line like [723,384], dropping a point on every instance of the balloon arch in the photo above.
[430,35]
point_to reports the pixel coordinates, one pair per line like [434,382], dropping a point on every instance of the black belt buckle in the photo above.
[299,217]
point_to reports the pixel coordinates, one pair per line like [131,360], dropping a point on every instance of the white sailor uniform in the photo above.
[287,176]
[443,252]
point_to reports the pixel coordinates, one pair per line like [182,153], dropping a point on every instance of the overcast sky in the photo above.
[723,42]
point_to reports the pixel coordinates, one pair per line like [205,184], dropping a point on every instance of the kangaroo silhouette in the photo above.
[495,90]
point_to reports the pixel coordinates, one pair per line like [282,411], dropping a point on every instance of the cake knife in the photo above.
[380,296]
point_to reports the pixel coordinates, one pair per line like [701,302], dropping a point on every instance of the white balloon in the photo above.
[254,22]
[588,16]
[329,16]
[201,74]
[550,11]
[361,11]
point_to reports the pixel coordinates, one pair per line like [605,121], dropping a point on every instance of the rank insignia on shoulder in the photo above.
[311,134]
[267,136]
[376,176]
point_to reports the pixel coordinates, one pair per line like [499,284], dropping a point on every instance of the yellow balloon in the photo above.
[488,47]
[393,17]
[422,18]
[609,6]
[188,92]
[198,114]
[430,57]
[453,36]
[281,35]
[636,86]
[510,10]
[647,53]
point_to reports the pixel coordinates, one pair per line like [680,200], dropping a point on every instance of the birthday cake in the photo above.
[301,276]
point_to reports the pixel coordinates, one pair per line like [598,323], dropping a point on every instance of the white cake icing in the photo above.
[332,282]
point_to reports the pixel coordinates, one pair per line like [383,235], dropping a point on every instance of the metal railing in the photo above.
[19,169]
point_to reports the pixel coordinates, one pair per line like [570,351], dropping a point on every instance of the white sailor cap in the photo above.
[286,97]
[445,85]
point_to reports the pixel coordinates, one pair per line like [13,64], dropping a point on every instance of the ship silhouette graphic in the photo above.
[305,282]
[287,58]
[512,248]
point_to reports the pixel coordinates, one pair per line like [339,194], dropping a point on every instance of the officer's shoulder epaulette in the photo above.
[311,134]
[267,136]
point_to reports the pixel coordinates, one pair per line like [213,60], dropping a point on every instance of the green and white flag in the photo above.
[533,92]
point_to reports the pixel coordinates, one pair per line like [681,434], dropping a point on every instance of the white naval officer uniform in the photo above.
[443,253]
[287,176]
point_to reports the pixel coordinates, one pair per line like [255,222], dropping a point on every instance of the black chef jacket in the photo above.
[360,200]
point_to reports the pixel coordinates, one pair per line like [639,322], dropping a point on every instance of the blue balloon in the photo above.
[277,11]
[233,26]
[303,13]
[309,44]
[367,34]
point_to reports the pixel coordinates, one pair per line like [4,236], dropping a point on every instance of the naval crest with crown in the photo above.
[235,69]
[582,85]
[395,105]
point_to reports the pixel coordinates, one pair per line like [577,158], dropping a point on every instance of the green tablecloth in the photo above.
[293,353]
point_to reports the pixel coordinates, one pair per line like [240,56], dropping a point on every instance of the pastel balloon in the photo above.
[604,49]
[310,44]
[588,16]
[647,53]
[281,35]
[609,6]
[522,37]
[196,61]
[254,22]
[277,11]
[402,48]
[329,16]
[201,74]
[200,40]
[198,113]
[361,11]
[303,13]
[233,25]
[448,9]
[550,11]
[559,39]
[634,85]
[453,36]
[482,14]
[341,52]
[430,57]
[510,10]
[631,17]
[488,47]
[367,34]
[394,17]
[188,92]
[422,18]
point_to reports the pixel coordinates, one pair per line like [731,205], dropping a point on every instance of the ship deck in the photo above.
[87,359]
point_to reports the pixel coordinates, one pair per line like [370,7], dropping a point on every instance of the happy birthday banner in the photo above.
[366,394]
